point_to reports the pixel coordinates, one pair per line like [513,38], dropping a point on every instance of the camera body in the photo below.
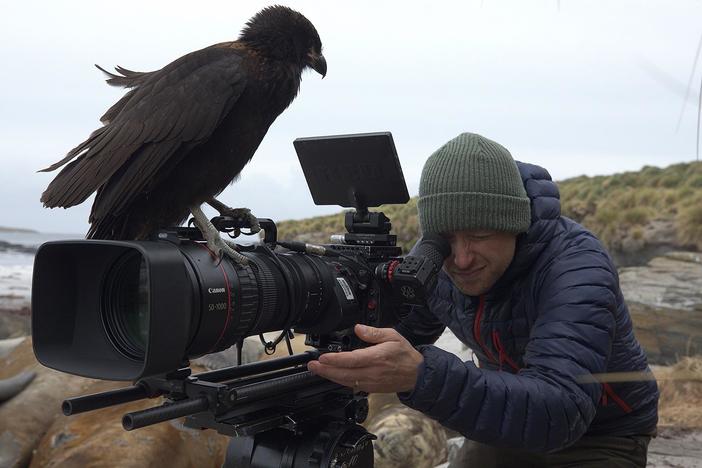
[125,310]
[140,310]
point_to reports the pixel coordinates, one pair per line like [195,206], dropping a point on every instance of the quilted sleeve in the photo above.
[546,406]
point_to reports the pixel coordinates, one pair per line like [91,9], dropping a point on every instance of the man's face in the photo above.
[478,259]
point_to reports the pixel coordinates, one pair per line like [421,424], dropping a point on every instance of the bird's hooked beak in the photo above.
[317,62]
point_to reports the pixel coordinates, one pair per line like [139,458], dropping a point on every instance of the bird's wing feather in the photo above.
[126,78]
[181,104]
[115,196]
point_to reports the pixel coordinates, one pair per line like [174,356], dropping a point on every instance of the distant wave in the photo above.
[15,286]
[8,247]
[33,239]
[17,249]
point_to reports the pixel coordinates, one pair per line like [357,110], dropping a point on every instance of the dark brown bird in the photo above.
[184,132]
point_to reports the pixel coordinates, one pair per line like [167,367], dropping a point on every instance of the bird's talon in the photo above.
[255,227]
[221,248]
[218,257]
[242,215]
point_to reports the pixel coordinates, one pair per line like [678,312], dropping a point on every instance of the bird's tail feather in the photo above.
[110,228]
[80,178]
[134,224]
[77,151]
[126,78]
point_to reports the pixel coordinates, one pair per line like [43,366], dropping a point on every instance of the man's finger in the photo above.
[350,359]
[377,335]
[335,374]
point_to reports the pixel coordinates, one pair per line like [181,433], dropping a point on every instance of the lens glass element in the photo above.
[125,306]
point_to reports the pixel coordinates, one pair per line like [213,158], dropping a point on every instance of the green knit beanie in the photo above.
[472,183]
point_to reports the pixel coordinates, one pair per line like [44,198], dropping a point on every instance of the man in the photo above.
[537,298]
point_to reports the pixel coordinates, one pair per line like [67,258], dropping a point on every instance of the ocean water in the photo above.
[16,267]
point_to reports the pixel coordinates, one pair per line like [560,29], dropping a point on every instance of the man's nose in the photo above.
[463,255]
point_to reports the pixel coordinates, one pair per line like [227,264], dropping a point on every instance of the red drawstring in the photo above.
[476,329]
[495,342]
[504,357]
[607,390]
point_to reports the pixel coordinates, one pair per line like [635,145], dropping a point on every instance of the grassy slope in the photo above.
[613,207]
[623,204]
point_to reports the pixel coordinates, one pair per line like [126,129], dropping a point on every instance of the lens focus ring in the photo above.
[247,304]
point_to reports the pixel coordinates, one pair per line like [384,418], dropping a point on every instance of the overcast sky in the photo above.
[579,87]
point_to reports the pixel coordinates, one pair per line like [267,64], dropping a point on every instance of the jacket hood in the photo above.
[545,213]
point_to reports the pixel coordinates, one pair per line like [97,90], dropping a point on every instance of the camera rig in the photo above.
[277,412]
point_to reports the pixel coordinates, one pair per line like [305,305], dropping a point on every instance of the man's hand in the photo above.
[389,366]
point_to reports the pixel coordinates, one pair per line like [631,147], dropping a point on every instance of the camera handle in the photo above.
[228,224]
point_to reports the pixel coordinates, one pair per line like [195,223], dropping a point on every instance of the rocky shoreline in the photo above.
[9,247]
[15,288]
[14,322]
[665,300]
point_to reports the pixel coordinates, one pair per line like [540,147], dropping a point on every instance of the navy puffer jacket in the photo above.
[553,319]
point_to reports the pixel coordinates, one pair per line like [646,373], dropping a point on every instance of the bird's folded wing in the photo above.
[181,104]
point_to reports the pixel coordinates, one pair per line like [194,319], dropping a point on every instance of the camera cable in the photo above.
[270,346]
[313,249]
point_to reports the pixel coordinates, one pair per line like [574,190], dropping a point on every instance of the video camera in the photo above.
[140,310]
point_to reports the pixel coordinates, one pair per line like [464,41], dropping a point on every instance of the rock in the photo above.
[405,437]
[25,418]
[9,344]
[251,352]
[97,439]
[675,448]
[14,322]
[34,432]
[33,429]
[11,386]
[454,445]
[665,301]
[637,246]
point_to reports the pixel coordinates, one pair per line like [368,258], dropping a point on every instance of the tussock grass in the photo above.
[680,385]
[617,206]
[613,207]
